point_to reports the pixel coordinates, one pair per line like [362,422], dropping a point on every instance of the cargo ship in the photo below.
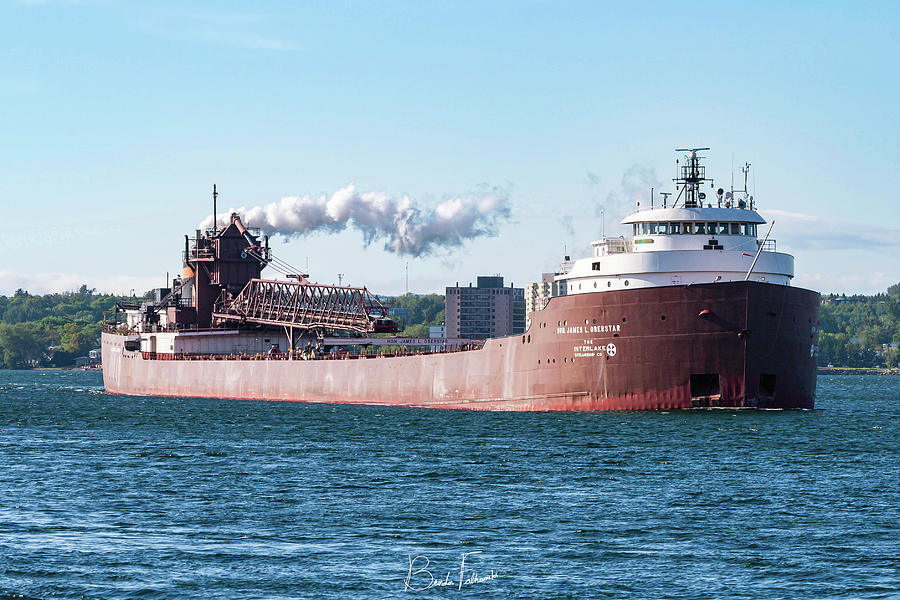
[694,309]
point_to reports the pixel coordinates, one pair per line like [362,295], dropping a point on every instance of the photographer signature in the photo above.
[420,578]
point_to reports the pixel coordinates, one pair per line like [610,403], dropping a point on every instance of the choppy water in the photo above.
[116,497]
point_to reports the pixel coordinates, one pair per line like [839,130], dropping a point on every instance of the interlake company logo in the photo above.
[421,576]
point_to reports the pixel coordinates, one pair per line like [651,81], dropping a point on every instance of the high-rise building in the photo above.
[485,311]
[537,295]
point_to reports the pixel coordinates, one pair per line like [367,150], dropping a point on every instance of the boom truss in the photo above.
[302,305]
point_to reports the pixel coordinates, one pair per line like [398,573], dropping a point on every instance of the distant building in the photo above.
[487,310]
[538,294]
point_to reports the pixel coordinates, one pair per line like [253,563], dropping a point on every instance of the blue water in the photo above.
[116,497]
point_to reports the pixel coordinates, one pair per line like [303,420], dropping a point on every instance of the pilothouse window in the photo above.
[694,228]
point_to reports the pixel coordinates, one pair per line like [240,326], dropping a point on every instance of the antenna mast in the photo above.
[746,171]
[692,175]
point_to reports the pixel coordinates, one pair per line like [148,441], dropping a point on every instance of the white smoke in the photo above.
[407,227]
[637,182]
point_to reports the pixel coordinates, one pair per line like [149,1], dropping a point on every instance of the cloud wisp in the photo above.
[408,228]
[635,187]
[57,283]
[239,30]
[810,232]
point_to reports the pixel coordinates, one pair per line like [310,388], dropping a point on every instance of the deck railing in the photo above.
[767,246]
[299,356]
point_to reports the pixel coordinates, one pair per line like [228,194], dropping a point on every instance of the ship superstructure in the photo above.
[222,305]
[695,240]
[692,310]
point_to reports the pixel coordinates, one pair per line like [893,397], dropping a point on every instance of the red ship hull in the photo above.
[734,344]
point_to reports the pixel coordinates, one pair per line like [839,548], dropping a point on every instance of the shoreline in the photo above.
[857,371]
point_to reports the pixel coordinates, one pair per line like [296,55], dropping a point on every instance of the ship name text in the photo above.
[614,328]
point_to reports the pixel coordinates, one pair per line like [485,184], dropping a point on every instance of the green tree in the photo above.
[419,331]
[21,345]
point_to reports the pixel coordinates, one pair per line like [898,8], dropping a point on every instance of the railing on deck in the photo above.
[767,246]
[300,356]
[614,246]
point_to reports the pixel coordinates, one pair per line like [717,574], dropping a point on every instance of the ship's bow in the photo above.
[781,340]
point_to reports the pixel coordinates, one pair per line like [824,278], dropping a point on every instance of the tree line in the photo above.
[52,329]
[55,329]
[860,331]
[418,313]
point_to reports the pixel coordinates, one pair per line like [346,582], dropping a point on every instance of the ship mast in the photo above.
[692,175]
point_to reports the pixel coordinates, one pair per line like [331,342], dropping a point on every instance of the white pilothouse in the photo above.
[693,241]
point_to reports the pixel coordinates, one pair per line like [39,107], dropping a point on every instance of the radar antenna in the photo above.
[692,175]
[747,197]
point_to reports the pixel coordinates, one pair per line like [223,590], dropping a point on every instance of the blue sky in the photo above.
[117,118]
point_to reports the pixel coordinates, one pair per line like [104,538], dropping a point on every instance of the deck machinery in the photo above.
[221,287]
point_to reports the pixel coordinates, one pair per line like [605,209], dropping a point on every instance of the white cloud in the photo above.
[222,29]
[810,232]
[860,283]
[792,215]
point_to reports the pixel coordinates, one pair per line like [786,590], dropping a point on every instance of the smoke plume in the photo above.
[407,228]
[636,183]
